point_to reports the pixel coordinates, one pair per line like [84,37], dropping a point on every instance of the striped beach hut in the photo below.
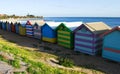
[111,44]
[37,29]
[17,27]
[29,29]
[87,37]
[22,28]
[12,27]
[48,31]
[65,35]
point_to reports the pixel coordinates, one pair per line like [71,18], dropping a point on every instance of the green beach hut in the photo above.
[65,35]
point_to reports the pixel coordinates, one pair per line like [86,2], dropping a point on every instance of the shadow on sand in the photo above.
[81,60]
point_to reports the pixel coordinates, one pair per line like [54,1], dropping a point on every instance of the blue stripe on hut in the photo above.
[29,29]
[111,44]
[87,37]
[48,31]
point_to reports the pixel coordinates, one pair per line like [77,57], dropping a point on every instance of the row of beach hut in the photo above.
[89,38]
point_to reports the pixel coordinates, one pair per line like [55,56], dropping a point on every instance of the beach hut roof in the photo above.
[38,22]
[110,31]
[28,23]
[53,25]
[22,23]
[72,25]
[97,27]
[10,20]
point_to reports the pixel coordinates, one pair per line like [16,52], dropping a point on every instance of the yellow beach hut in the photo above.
[22,28]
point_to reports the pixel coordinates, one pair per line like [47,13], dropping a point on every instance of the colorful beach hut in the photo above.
[12,27]
[87,37]
[4,25]
[17,27]
[22,28]
[37,29]
[111,44]
[1,24]
[9,26]
[65,33]
[48,31]
[29,29]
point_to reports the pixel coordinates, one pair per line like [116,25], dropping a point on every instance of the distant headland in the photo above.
[5,16]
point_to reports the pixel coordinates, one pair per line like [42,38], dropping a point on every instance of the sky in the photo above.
[62,8]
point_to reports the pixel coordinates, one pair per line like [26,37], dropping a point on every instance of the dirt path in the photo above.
[81,60]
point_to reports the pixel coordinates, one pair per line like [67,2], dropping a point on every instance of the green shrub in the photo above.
[3,59]
[65,62]
[15,63]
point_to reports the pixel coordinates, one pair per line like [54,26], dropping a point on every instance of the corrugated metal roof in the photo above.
[72,25]
[97,27]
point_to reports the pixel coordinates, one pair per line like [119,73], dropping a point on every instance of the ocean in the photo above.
[111,21]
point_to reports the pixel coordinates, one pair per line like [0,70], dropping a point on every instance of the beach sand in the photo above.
[81,60]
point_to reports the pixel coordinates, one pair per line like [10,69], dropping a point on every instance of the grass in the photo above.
[15,63]
[19,73]
[3,59]
[32,58]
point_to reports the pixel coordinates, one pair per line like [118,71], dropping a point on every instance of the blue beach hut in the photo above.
[1,24]
[87,37]
[111,44]
[17,27]
[9,26]
[4,26]
[48,31]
